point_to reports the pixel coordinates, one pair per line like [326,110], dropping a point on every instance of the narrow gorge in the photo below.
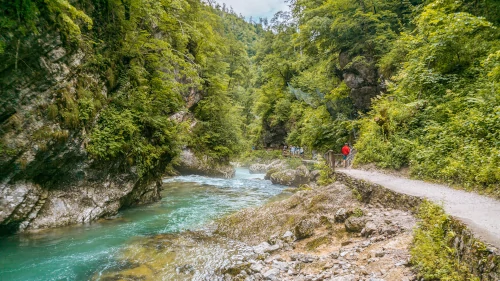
[190,140]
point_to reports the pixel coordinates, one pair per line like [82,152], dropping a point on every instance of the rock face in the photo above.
[290,177]
[27,206]
[47,178]
[361,76]
[191,164]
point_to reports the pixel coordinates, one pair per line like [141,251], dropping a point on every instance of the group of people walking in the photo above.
[299,151]
[294,150]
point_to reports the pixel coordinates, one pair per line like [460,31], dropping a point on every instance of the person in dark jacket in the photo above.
[346,150]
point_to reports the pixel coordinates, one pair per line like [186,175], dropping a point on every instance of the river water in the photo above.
[86,251]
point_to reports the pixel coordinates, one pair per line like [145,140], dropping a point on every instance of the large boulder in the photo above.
[258,168]
[304,229]
[191,164]
[355,224]
[290,177]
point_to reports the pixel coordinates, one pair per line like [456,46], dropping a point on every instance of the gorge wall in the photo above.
[47,177]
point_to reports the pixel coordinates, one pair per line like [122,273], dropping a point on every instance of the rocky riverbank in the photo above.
[323,233]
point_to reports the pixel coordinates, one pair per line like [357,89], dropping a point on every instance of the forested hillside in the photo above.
[142,62]
[410,83]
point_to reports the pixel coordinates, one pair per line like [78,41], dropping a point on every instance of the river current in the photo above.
[86,251]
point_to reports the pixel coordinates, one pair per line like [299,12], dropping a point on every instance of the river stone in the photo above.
[256,267]
[304,229]
[355,224]
[369,229]
[314,175]
[344,278]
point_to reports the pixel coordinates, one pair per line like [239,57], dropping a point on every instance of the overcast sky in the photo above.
[256,8]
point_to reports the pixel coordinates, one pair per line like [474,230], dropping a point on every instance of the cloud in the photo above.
[256,8]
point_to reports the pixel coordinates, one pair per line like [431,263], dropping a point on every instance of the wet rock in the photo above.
[354,224]
[190,164]
[258,168]
[291,177]
[304,229]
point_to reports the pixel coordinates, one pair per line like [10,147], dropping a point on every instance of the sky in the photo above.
[256,8]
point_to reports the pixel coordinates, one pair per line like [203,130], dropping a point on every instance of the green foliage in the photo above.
[325,172]
[441,116]
[293,163]
[357,213]
[23,17]
[153,56]
[259,156]
[431,254]
[218,131]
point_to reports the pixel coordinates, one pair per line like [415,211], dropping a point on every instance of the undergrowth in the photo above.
[431,254]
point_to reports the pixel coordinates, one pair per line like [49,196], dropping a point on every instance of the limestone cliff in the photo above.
[47,178]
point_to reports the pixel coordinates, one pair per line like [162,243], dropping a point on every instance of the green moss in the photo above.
[356,194]
[357,213]
[317,242]
[52,112]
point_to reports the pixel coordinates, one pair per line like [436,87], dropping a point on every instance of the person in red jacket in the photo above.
[345,152]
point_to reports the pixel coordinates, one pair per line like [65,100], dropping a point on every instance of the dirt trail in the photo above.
[480,213]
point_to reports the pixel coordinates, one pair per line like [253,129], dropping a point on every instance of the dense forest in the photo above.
[412,84]
[156,77]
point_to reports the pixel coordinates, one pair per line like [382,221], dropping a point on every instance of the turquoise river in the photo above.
[83,252]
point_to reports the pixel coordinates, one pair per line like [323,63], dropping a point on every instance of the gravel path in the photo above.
[480,213]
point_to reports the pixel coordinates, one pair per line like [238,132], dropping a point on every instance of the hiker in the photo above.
[346,150]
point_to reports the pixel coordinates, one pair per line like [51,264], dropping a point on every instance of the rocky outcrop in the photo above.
[362,77]
[289,177]
[260,168]
[47,178]
[191,164]
[27,206]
